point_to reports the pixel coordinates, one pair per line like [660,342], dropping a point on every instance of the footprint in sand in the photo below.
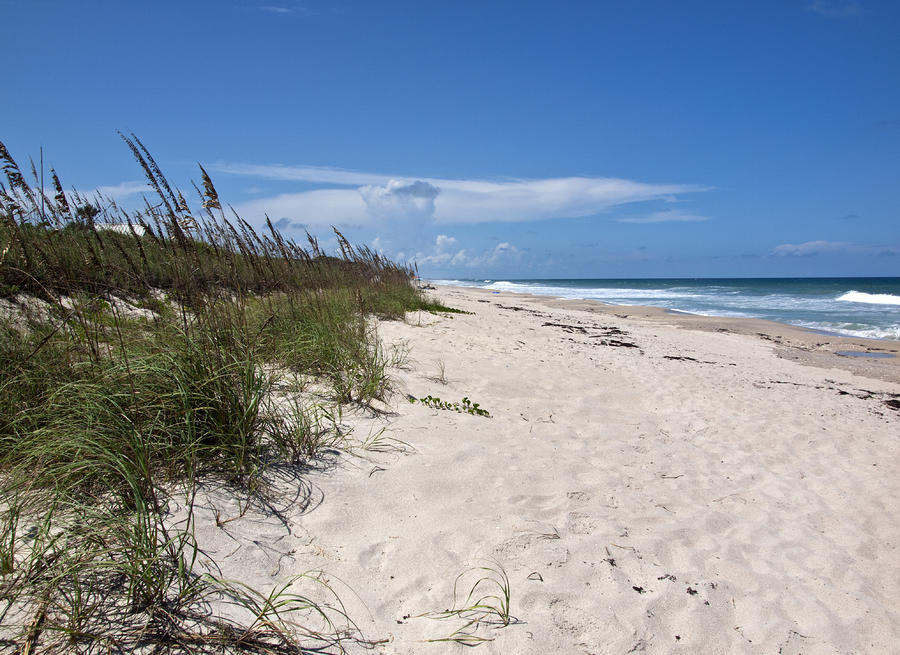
[580,523]
[533,550]
[372,558]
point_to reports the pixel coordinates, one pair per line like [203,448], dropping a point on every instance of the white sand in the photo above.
[740,503]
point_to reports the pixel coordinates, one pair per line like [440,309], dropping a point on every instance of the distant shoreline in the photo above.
[801,344]
[866,308]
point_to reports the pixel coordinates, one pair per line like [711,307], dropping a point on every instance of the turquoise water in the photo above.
[855,306]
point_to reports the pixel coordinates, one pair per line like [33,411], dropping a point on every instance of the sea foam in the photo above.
[871,298]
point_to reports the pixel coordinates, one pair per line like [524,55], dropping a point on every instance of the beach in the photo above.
[646,481]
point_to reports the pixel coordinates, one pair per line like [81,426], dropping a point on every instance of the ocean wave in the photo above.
[456,283]
[619,295]
[851,313]
[853,330]
[871,298]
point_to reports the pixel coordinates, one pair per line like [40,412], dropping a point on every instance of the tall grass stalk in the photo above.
[134,350]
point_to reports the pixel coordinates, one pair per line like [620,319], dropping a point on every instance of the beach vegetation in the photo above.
[465,406]
[440,375]
[139,355]
[486,603]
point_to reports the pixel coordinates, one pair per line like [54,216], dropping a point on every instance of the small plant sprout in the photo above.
[487,603]
[440,375]
[380,442]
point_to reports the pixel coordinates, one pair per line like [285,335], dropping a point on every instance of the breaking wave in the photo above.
[871,298]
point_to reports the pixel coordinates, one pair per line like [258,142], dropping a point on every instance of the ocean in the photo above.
[853,306]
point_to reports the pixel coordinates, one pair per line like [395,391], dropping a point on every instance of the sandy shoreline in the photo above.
[649,482]
[804,345]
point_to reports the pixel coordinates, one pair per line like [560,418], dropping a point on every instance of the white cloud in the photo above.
[668,216]
[319,207]
[124,189]
[121,193]
[810,248]
[459,259]
[400,199]
[442,242]
[475,201]
[318,174]
[820,247]
[502,252]
[441,252]
[444,253]
[368,197]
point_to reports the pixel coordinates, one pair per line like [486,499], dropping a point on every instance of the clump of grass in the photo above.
[440,375]
[134,350]
[487,603]
[437,307]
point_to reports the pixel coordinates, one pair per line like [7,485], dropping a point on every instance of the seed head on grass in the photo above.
[102,415]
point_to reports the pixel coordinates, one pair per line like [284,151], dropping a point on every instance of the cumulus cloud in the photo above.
[668,216]
[400,199]
[362,197]
[443,242]
[445,253]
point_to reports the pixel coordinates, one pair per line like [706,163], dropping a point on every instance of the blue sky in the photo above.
[647,138]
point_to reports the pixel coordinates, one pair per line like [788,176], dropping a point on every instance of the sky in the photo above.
[495,140]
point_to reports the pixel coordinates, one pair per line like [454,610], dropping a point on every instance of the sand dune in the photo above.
[649,483]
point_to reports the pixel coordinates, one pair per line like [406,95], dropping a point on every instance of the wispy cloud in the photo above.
[281,7]
[120,193]
[362,197]
[835,8]
[318,207]
[667,216]
[316,174]
[812,248]
[124,190]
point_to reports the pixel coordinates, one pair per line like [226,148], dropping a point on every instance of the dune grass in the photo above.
[486,604]
[135,350]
